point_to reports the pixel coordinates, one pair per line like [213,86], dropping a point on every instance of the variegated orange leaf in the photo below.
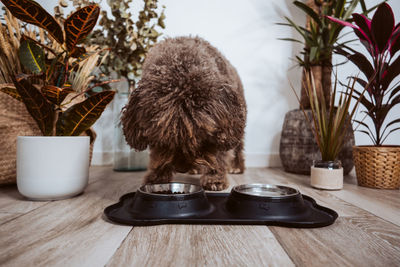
[79,25]
[31,12]
[10,90]
[55,94]
[78,51]
[81,116]
[37,105]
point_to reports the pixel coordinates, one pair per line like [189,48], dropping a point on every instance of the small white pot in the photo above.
[326,177]
[52,167]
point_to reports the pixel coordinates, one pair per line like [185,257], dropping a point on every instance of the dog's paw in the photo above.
[213,183]
[236,170]
[153,178]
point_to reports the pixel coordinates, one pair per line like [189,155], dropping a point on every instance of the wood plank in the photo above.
[351,241]
[200,245]
[382,203]
[68,232]
[8,216]
[13,204]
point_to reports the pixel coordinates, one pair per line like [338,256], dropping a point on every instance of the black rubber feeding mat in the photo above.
[256,204]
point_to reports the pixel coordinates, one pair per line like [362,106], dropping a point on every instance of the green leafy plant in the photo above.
[329,122]
[46,91]
[320,37]
[128,40]
[381,37]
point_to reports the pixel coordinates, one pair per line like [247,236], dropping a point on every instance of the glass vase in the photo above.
[125,158]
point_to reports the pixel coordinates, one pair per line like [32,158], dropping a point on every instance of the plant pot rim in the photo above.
[377,147]
[59,137]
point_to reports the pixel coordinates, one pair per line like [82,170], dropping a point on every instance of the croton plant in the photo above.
[381,38]
[46,89]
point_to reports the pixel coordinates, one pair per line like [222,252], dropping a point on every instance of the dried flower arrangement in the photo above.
[9,46]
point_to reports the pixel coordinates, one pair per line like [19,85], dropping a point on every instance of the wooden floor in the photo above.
[74,232]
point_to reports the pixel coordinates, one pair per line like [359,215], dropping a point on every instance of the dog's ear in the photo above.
[132,122]
[231,116]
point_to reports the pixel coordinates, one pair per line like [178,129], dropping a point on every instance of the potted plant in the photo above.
[377,166]
[328,124]
[130,41]
[55,165]
[319,38]
[14,118]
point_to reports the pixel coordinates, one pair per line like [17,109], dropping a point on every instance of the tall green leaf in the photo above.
[350,9]
[32,56]
[302,31]
[81,116]
[339,8]
[79,25]
[36,104]
[31,12]
[329,123]
[309,11]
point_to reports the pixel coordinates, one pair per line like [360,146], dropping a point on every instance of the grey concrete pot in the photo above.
[298,147]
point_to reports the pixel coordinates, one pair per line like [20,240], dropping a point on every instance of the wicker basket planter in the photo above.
[377,167]
[14,121]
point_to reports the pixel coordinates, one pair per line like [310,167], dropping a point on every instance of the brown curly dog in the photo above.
[189,108]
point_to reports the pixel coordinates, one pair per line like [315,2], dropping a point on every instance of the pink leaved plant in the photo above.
[381,37]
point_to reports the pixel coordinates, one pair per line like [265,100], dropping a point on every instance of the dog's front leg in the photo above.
[161,169]
[236,165]
[215,177]
[159,176]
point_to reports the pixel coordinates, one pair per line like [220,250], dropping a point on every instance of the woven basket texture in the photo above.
[377,167]
[14,121]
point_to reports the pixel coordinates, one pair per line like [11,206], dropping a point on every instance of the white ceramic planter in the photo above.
[52,167]
[330,179]
[327,175]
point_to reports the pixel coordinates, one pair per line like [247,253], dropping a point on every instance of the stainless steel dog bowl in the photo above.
[266,190]
[171,200]
[170,188]
[265,200]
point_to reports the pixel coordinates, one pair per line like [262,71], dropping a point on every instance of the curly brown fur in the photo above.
[189,108]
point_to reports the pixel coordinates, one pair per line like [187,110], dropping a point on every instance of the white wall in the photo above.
[246,33]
